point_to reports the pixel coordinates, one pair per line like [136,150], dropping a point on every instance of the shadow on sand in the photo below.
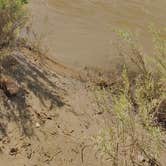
[15,108]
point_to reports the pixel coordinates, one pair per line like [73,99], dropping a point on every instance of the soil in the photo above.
[53,118]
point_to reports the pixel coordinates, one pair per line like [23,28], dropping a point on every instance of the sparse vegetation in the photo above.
[136,136]
[136,100]
[13,17]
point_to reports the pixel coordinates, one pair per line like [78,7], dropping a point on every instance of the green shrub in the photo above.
[134,135]
[12,18]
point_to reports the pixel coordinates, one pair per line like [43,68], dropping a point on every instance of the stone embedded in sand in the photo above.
[37,125]
[13,151]
[9,86]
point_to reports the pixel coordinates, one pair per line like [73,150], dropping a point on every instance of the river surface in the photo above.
[80,32]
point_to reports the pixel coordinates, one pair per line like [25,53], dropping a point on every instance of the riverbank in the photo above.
[56,116]
[52,114]
[51,120]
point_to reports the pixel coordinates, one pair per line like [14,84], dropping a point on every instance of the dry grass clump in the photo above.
[13,17]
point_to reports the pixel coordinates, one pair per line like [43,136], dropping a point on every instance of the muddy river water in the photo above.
[80,32]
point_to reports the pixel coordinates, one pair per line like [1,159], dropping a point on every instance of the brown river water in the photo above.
[80,32]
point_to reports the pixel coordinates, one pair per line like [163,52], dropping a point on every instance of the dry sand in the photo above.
[52,121]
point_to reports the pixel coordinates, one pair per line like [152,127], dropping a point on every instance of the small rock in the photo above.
[37,125]
[9,86]
[13,151]
[141,158]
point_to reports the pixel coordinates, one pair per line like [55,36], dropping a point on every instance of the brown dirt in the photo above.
[53,118]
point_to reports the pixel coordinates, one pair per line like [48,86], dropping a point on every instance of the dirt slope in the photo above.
[53,118]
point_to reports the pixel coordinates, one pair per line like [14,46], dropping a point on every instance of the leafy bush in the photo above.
[12,19]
